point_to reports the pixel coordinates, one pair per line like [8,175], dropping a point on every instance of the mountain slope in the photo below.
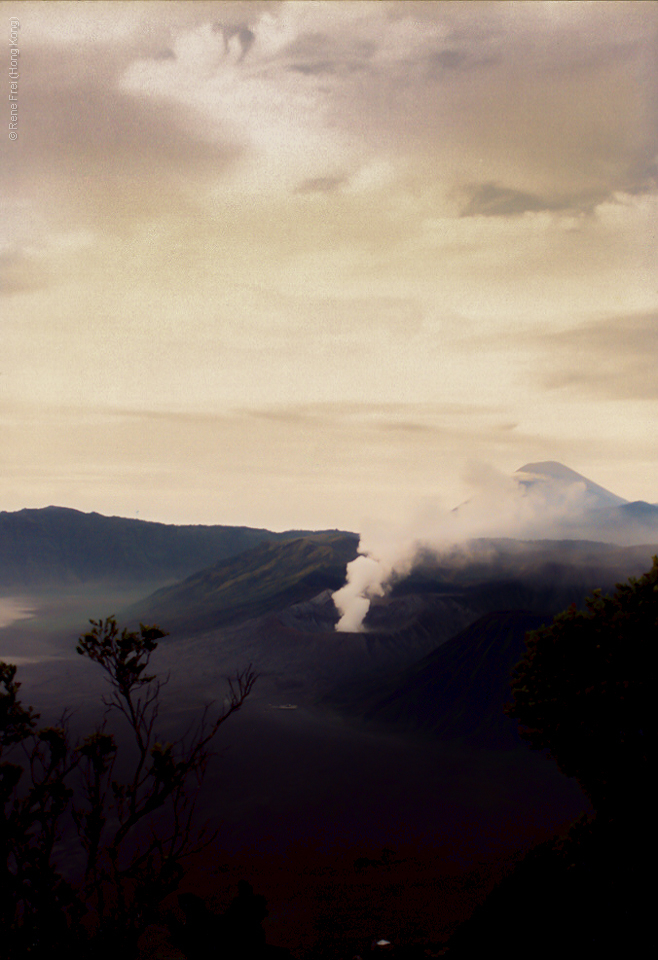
[582,509]
[536,574]
[501,588]
[459,690]
[270,576]
[272,607]
[550,471]
[56,546]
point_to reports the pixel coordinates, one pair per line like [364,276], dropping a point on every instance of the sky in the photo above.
[318,264]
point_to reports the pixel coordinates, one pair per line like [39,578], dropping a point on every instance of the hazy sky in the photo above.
[302,264]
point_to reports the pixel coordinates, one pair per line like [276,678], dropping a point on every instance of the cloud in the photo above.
[314,69]
[613,358]
[494,200]
[236,34]
[98,155]
[449,59]
[321,184]
[285,94]
[439,418]
[20,273]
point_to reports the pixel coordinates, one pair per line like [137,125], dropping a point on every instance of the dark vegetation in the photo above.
[583,693]
[132,831]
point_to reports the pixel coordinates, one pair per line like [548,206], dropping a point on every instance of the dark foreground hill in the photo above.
[459,690]
[58,546]
[582,893]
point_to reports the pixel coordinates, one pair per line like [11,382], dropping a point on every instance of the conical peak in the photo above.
[551,470]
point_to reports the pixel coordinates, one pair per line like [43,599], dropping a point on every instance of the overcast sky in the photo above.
[303,264]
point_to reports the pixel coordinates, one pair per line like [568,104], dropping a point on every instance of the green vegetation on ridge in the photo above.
[268,577]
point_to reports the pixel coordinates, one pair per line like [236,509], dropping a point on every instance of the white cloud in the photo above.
[67,25]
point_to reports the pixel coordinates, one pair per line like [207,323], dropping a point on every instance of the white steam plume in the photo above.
[365,577]
[383,554]
[520,507]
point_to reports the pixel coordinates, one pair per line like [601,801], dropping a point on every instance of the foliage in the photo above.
[133,831]
[31,885]
[583,691]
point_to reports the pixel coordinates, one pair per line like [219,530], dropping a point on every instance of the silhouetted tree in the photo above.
[584,692]
[236,934]
[34,894]
[134,831]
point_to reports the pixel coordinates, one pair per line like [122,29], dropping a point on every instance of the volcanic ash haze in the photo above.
[540,501]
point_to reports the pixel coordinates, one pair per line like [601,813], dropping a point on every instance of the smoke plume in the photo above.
[541,501]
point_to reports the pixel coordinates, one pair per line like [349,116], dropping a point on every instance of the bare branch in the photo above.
[124,882]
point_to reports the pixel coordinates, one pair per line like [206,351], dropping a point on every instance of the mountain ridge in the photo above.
[269,576]
[53,546]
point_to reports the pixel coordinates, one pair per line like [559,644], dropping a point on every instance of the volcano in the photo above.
[550,472]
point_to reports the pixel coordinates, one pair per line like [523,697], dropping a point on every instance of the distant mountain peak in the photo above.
[550,471]
[551,468]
